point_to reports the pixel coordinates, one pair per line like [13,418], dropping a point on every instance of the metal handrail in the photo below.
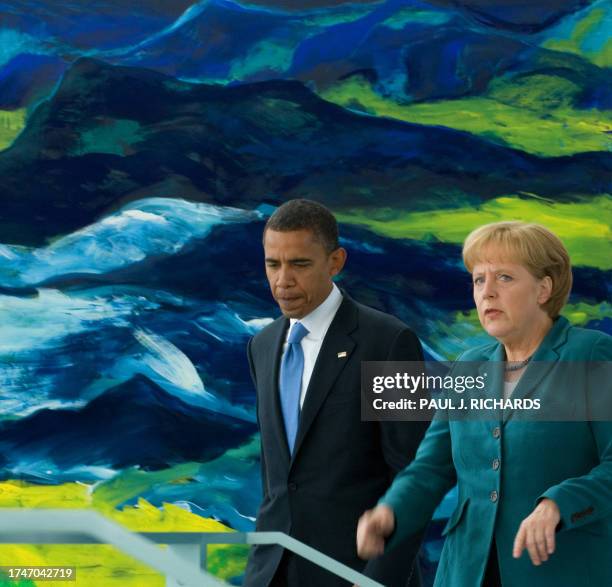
[183,563]
[33,526]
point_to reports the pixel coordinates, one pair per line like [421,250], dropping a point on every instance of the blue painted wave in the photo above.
[153,291]
[153,226]
[62,348]
[378,39]
[135,424]
[142,362]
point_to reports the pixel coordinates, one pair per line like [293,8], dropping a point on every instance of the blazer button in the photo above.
[494,495]
[495,464]
[496,432]
[292,486]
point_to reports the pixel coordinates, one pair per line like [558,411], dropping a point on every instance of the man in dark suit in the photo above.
[322,466]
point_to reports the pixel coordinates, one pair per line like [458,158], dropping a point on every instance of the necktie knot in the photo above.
[298,332]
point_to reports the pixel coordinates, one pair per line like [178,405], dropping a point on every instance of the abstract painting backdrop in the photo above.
[143,145]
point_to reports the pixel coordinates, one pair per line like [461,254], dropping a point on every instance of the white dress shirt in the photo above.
[317,323]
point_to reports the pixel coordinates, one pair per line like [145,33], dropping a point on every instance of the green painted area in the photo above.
[176,85]
[114,136]
[584,226]
[534,114]
[5,581]
[452,336]
[325,18]
[537,93]
[582,313]
[12,122]
[103,565]
[409,15]
[579,314]
[267,111]
[267,56]
[228,561]
[463,330]
[133,482]
[596,22]
[276,55]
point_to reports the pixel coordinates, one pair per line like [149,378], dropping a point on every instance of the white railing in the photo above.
[184,561]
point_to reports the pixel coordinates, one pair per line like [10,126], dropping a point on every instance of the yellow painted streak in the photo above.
[578,314]
[463,330]
[12,122]
[553,132]
[602,58]
[19,494]
[584,227]
[96,565]
[582,313]
[102,565]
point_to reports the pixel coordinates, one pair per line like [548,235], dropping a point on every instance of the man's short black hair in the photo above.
[302,214]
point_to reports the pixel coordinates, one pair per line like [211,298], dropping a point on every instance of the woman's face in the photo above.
[509,298]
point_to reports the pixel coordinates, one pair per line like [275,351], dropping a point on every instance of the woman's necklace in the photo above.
[516,365]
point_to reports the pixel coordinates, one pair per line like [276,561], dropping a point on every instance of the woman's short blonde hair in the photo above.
[536,248]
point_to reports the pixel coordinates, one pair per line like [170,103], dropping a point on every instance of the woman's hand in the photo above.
[374,526]
[537,532]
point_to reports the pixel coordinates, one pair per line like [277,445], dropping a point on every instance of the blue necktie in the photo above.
[291,369]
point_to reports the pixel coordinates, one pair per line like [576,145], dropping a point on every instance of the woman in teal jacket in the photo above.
[535,497]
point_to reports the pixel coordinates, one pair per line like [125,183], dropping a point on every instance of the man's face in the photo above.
[299,270]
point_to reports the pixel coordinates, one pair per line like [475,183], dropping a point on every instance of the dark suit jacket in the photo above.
[341,466]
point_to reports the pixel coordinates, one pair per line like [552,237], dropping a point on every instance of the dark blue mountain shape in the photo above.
[507,14]
[114,134]
[456,62]
[206,43]
[27,78]
[382,272]
[136,423]
[456,53]
[103,24]
[527,17]
[437,60]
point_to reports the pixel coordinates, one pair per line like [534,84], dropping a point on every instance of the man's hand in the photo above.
[537,532]
[374,526]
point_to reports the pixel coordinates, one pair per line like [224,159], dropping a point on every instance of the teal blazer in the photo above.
[504,467]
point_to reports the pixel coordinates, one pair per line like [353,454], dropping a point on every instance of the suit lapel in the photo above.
[493,371]
[270,396]
[543,361]
[328,365]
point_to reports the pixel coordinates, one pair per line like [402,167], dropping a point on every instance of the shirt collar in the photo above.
[318,321]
